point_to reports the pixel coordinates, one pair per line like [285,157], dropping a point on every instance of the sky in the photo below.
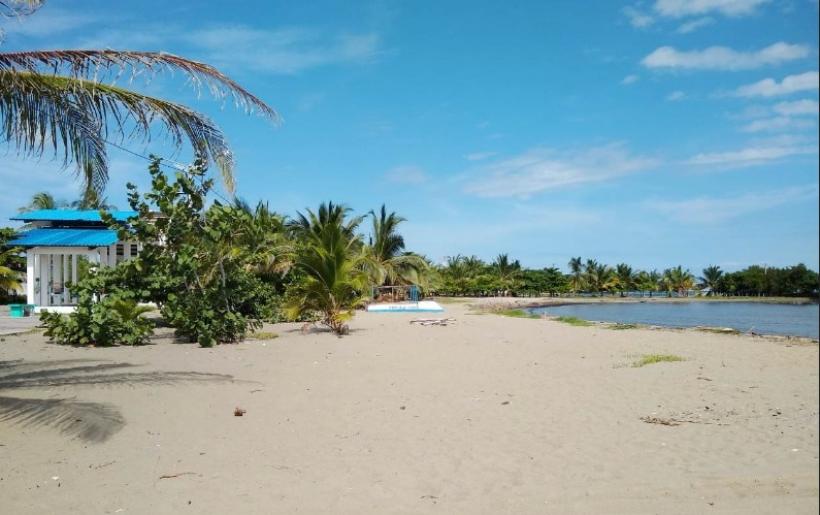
[655,133]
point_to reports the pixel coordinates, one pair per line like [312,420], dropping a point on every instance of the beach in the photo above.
[487,415]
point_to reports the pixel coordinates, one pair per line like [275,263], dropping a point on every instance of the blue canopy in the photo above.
[65,238]
[70,215]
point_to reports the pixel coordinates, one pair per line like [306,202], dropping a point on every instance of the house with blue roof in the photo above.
[56,240]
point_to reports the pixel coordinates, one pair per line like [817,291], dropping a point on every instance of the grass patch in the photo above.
[622,327]
[577,322]
[651,359]
[516,313]
[718,330]
[262,335]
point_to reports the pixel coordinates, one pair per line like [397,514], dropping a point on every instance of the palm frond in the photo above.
[95,64]
[75,116]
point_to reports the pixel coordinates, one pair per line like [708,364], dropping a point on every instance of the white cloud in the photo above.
[809,81]
[630,79]
[682,8]
[676,96]
[479,156]
[284,51]
[757,154]
[706,210]
[407,174]
[698,23]
[638,18]
[542,169]
[797,107]
[777,123]
[47,22]
[724,58]
[287,51]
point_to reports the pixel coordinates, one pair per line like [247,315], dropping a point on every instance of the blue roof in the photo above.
[71,215]
[65,238]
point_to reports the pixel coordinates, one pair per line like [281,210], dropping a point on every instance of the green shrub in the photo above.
[113,320]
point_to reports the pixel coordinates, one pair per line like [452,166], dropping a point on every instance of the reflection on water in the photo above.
[786,319]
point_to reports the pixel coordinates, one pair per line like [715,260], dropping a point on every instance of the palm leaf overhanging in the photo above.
[66,102]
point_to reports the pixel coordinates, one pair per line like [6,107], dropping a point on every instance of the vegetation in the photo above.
[332,264]
[66,102]
[217,272]
[516,313]
[470,276]
[12,267]
[574,321]
[651,359]
[112,319]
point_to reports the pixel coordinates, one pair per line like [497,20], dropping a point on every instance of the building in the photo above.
[56,242]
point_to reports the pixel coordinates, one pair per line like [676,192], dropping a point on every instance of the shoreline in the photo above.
[488,304]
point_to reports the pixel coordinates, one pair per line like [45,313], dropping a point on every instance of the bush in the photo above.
[114,320]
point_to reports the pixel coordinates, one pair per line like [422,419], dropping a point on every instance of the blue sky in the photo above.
[653,132]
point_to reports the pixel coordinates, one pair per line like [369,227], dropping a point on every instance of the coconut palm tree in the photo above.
[11,264]
[625,277]
[598,276]
[390,264]
[506,272]
[711,278]
[329,217]
[42,200]
[265,241]
[679,280]
[66,103]
[576,268]
[649,281]
[331,262]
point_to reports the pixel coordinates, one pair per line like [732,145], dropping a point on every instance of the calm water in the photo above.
[797,320]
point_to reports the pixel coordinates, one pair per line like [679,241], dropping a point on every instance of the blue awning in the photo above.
[70,215]
[65,238]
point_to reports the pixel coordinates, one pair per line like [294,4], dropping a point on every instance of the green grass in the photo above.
[577,322]
[651,359]
[622,327]
[261,335]
[516,313]
[718,330]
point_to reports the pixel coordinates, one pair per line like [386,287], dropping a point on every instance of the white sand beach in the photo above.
[489,415]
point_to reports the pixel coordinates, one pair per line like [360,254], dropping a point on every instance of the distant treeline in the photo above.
[470,276]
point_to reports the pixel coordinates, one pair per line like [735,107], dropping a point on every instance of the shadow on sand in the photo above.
[89,421]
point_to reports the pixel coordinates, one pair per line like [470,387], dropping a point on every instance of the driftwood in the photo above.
[433,321]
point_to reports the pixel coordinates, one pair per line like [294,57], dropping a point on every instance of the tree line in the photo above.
[471,276]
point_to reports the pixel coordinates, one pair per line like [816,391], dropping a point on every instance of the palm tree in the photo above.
[649,281]
[625,277]
[41,200]
[505,271]
[331,263]
[390,264]
[679,280]
[711,278]
[265,241]
[576,267]
[11,264]
[65,102]
[329,217]
[598,276]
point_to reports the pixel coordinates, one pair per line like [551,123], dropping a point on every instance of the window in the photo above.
[134,250]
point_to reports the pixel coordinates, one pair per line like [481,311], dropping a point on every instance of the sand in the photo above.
[489,415]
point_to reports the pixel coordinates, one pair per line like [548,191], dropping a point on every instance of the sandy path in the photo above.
[492,415]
